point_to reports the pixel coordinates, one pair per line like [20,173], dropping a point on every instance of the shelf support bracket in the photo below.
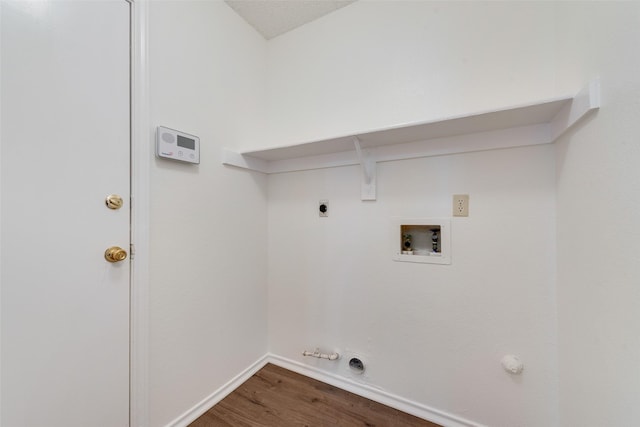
[368,165]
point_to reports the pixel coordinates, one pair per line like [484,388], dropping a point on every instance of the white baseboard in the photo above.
[405,405]
[204,405]
[400,403]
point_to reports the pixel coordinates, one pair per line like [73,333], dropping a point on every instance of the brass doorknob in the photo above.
[113,201]
[115,254]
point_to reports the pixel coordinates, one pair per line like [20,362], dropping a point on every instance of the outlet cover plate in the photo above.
[460,205]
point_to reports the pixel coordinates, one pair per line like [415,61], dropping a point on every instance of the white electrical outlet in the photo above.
[460,205]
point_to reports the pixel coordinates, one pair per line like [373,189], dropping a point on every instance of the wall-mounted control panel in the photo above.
[176,145]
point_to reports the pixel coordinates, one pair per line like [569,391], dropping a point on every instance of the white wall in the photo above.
[598,210]
[208,223]
[432,334]
[379,63]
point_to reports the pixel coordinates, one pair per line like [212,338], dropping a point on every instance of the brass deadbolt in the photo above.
[113,201]
[115,254]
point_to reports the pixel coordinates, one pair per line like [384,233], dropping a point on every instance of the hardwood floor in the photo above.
[277,397]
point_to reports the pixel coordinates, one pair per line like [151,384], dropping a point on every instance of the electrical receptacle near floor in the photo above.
[460,205]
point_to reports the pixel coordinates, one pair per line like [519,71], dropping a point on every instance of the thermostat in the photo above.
[176,145]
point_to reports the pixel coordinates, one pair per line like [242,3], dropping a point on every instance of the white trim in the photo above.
[394,401]
[1,376]
[389,399]
[140,166]
[205,404]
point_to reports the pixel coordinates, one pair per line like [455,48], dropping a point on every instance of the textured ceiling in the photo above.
[274,17]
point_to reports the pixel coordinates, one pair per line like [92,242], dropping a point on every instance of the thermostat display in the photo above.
[176,145]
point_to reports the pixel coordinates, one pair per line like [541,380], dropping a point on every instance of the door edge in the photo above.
[140,165]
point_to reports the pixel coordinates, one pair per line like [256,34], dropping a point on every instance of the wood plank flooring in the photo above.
[277,397]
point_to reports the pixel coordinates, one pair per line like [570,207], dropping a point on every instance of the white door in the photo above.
[65,146]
